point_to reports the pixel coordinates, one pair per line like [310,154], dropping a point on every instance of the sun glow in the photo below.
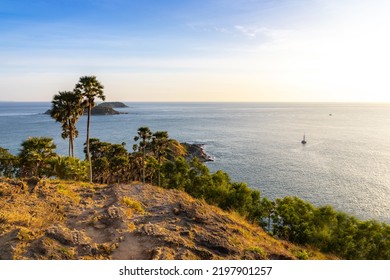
[315,51]
[347,59]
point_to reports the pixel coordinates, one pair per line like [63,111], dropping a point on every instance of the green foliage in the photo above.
[293,219]
[259,251]
[110,162]
[289,218]
[324,228]
[160,144]
[176,173]
[67,191]
[68,168]
[101,170]
[66,109]
[118,166]
[89,88]
[194,177]
[302,255]
[35,156]
[144,136]
[133,204]
[8,163]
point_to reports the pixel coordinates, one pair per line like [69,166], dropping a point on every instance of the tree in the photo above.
[267,213]
[160,145]
[176,173]
[89,88]
[35,155]
[144,135]
[118,168]
[66,109]
[8,163]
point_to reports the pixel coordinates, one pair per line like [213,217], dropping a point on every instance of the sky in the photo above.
[198,50]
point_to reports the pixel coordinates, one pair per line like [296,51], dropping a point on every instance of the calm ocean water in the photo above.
[345,163]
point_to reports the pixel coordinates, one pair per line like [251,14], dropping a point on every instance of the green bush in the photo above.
[68,168]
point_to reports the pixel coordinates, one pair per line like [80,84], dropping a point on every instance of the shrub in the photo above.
[68,168]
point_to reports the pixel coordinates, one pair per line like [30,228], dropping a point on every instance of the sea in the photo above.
[345,162]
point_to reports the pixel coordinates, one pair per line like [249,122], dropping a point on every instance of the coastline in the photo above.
[256,144]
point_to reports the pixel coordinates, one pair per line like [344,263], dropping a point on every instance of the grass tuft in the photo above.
[65,190]
[133,204]
[258,250]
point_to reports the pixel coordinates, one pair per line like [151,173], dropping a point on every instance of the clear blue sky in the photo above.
[197,50]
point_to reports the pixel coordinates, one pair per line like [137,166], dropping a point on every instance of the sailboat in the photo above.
[304,139]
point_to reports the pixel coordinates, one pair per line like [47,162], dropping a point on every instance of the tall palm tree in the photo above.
[144,135]
[160,145]
[89,88]
[66,109]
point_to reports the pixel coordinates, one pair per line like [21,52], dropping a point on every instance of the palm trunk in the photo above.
[71,153]
[143,165]
[159,170]
[72,147]
[69,147]
[269,223]
[88,154]
[70,139]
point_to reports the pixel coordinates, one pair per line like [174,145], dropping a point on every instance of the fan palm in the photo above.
[66,109]
[89,88]
[160,145]
[144,135]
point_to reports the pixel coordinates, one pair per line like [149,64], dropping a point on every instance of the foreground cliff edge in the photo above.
[52,219]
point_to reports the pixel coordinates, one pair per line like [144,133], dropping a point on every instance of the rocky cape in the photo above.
[196,150]
[51,219]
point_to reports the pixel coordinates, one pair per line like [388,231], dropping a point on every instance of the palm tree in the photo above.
[144,135]
[89,88]
[160,145]
[66,109]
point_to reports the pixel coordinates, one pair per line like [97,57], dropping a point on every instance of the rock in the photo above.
[196,150]
[62,235]
[218,244]
[175,226]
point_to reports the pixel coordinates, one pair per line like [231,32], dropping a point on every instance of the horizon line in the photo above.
[264,102]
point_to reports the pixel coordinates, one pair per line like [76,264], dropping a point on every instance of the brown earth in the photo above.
[73,220]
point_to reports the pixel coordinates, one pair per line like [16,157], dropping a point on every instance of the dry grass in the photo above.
[131,227]
[67,191]
[81,209]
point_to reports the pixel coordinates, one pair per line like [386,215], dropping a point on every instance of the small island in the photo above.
[103,109]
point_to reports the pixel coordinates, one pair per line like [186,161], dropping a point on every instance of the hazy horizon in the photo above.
[222,102]
[198,51]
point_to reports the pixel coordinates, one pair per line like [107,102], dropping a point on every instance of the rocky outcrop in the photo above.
[196,150]
[67,220]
